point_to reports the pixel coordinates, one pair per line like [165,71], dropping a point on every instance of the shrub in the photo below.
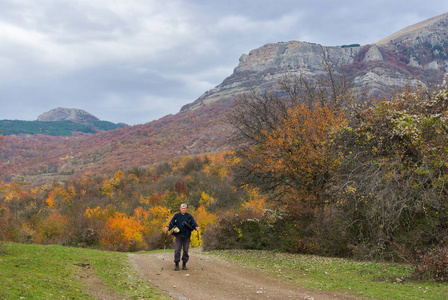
[429,264]
[2,245]
[192,164]
[122,233]
[432,264]
[26,235]
[53,229]
[270,231]
[81,234]
[223,235]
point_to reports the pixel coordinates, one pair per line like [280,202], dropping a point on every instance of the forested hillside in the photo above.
[55,128]
[303,164]
[309,176]
[173,136]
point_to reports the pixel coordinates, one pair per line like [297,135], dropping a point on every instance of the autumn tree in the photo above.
[281,136]
[291,160]
[122,233]
[282,140]
[393,175]
[153,222]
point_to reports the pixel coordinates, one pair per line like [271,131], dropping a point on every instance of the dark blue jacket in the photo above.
[178,220]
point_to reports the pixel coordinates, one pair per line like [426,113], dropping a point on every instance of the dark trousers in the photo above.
[181,243]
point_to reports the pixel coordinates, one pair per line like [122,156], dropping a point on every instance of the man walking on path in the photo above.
[183,223]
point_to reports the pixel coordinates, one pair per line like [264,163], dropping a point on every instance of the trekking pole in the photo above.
[200,249]
[164,248]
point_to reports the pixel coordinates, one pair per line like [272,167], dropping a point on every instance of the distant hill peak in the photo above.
[67,114]
[419,30]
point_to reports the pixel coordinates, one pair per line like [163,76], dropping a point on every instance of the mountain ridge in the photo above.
[420,27]
[419,57]
[199,127]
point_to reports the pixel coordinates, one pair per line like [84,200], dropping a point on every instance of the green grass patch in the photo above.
[53,272]
[371,280]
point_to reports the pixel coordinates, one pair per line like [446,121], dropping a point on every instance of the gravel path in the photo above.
[218,280]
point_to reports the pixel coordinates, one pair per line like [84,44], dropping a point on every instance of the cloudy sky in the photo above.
[135,61]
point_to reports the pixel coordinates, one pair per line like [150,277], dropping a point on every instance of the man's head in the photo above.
[183,208]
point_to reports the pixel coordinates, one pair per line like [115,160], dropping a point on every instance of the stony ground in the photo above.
[212,278]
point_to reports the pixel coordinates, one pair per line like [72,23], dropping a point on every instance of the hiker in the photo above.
[183,224]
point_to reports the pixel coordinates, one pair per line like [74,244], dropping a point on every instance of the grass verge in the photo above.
[370,280]
[52,272]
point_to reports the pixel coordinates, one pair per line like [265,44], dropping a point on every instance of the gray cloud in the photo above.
[136,61]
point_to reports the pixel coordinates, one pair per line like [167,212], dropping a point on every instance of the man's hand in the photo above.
[166,229]
[197,228]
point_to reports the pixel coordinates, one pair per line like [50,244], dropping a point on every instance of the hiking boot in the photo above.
[184,266]
[176,268]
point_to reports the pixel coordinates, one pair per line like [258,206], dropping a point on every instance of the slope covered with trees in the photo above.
[173,136]
[307,169]
[55,128]
[124,211]
[308,174]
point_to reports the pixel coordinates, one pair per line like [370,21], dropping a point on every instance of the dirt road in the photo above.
[218,280]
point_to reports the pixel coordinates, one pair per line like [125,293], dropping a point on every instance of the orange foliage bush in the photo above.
[122,233]
[50,200]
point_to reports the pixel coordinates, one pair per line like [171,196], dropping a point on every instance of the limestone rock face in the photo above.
[416,55]
[292,55]
[413,61]
[432,66]
[379,79]
[67,114]
[374,54]
[265,66]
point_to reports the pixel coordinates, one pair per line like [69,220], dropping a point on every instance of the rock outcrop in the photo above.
[374,54]
[416,55]
[67,114]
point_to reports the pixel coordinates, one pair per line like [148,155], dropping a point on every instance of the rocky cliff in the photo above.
[416,55]
[67,114]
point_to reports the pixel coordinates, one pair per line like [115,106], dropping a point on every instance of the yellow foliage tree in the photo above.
[13,191]
[256,204]
[153,221]
[204,219]
[206,199]
[122,233]
[111,184]
[98,217]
